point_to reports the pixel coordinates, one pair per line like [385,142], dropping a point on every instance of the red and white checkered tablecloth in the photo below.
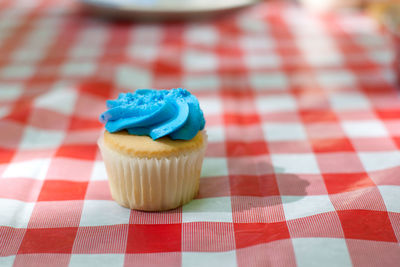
[303,118]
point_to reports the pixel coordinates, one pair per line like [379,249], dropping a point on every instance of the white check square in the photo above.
[277,103]
[7,261]
[17,71]
[15,213]
[9,91]
[35,138]
[252,24]
[324,57]
[366,128]
[295,163]
[320,51]
[96,35]
[336,78]
[35,169]
[103,212]
[210,105]
[375,161]
[146,53]
[214,167]
[263,42]
[149,33]
[313,252]
[98,260]
[349,101]
[80,69]
[4,111]
[269,81]
[201,82]
[264,60]
[303,206]
[381,56]
[209,259]
[390,195]
[196,60]
[208,210]
[99,172]
[83,51]
[28,54]
[283,131]
[132,77]
[59,99]
[215,134]
[201,34]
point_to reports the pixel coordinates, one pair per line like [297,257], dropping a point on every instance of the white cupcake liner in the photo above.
[153,184]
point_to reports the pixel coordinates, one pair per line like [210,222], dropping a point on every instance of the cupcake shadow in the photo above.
[269,188]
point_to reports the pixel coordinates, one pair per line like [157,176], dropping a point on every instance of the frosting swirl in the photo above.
[175,113]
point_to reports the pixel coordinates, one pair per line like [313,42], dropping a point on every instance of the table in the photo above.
[303,118]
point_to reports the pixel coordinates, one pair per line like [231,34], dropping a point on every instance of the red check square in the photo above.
[78,123]
[97,88]
[367,225]
[368,198]
[244,133]
[284,147]
[241,119]
[254,185]
[300,184]
[312,116]
[10,240]
[388,114]
[41,259]
[250,234]
[395,219]
[324,130]
[320,228]
[6,155]
[339,162]
[49,240]
[208,237]
[21,112]
[345,182]
[167,67]
[70,169]
[53,119]
[56,214]
[397,141]
[87,152]
[332,145]
[150,238]
[150,218]
[214,187]
[62,190]
[108,239]
[24,189]
[12,137]
[386,176]
[246,148]
[248,209]
[277,253]
[374,144]
[216,150]
[367,253]
[98,190]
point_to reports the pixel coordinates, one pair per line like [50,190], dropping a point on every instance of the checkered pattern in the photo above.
[303,118]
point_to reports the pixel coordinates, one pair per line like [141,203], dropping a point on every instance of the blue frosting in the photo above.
[175,113]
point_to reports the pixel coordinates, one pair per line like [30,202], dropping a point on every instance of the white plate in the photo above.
[162,8]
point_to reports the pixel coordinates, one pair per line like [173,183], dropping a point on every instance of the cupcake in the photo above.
[153,148]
